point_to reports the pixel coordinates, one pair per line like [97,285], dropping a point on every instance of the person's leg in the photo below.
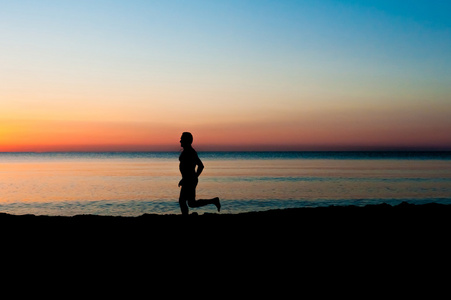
[203,202]
[189,194]
[182,202]
[183,207]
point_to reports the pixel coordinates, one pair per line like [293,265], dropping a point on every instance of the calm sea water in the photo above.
[131,184]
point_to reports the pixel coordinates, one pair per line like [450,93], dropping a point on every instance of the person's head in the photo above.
[186,139]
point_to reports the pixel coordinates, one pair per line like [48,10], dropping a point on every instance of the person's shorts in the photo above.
[188,191]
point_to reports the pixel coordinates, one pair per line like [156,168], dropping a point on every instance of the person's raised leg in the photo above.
[203,202]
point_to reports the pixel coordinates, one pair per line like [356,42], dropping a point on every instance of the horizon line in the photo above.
[220,148]
[249,151]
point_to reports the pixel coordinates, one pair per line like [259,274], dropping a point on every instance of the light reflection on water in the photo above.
[65,184]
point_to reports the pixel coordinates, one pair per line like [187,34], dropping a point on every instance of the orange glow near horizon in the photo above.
[310,132]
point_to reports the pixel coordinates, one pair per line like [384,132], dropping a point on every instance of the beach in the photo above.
[301,201]
[401,220]
[285,249]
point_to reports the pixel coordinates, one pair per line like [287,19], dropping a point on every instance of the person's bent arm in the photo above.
[200,168]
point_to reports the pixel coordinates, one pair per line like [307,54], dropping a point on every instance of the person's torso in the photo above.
[188,160]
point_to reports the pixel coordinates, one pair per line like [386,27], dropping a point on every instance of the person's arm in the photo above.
[200,167]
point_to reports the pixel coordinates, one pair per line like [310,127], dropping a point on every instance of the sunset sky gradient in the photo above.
[92,75]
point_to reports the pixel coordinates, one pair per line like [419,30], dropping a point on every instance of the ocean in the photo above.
[132,184]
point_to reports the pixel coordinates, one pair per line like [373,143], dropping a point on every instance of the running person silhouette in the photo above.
[188,162]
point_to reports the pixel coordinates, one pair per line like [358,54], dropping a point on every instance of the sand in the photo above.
[296,248]
[344,220]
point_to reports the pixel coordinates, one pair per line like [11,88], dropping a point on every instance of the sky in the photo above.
[132,75]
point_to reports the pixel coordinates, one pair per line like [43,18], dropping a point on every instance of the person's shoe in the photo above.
[217,203]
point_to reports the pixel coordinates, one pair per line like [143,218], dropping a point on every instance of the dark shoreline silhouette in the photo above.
[372,235]
[379,215]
